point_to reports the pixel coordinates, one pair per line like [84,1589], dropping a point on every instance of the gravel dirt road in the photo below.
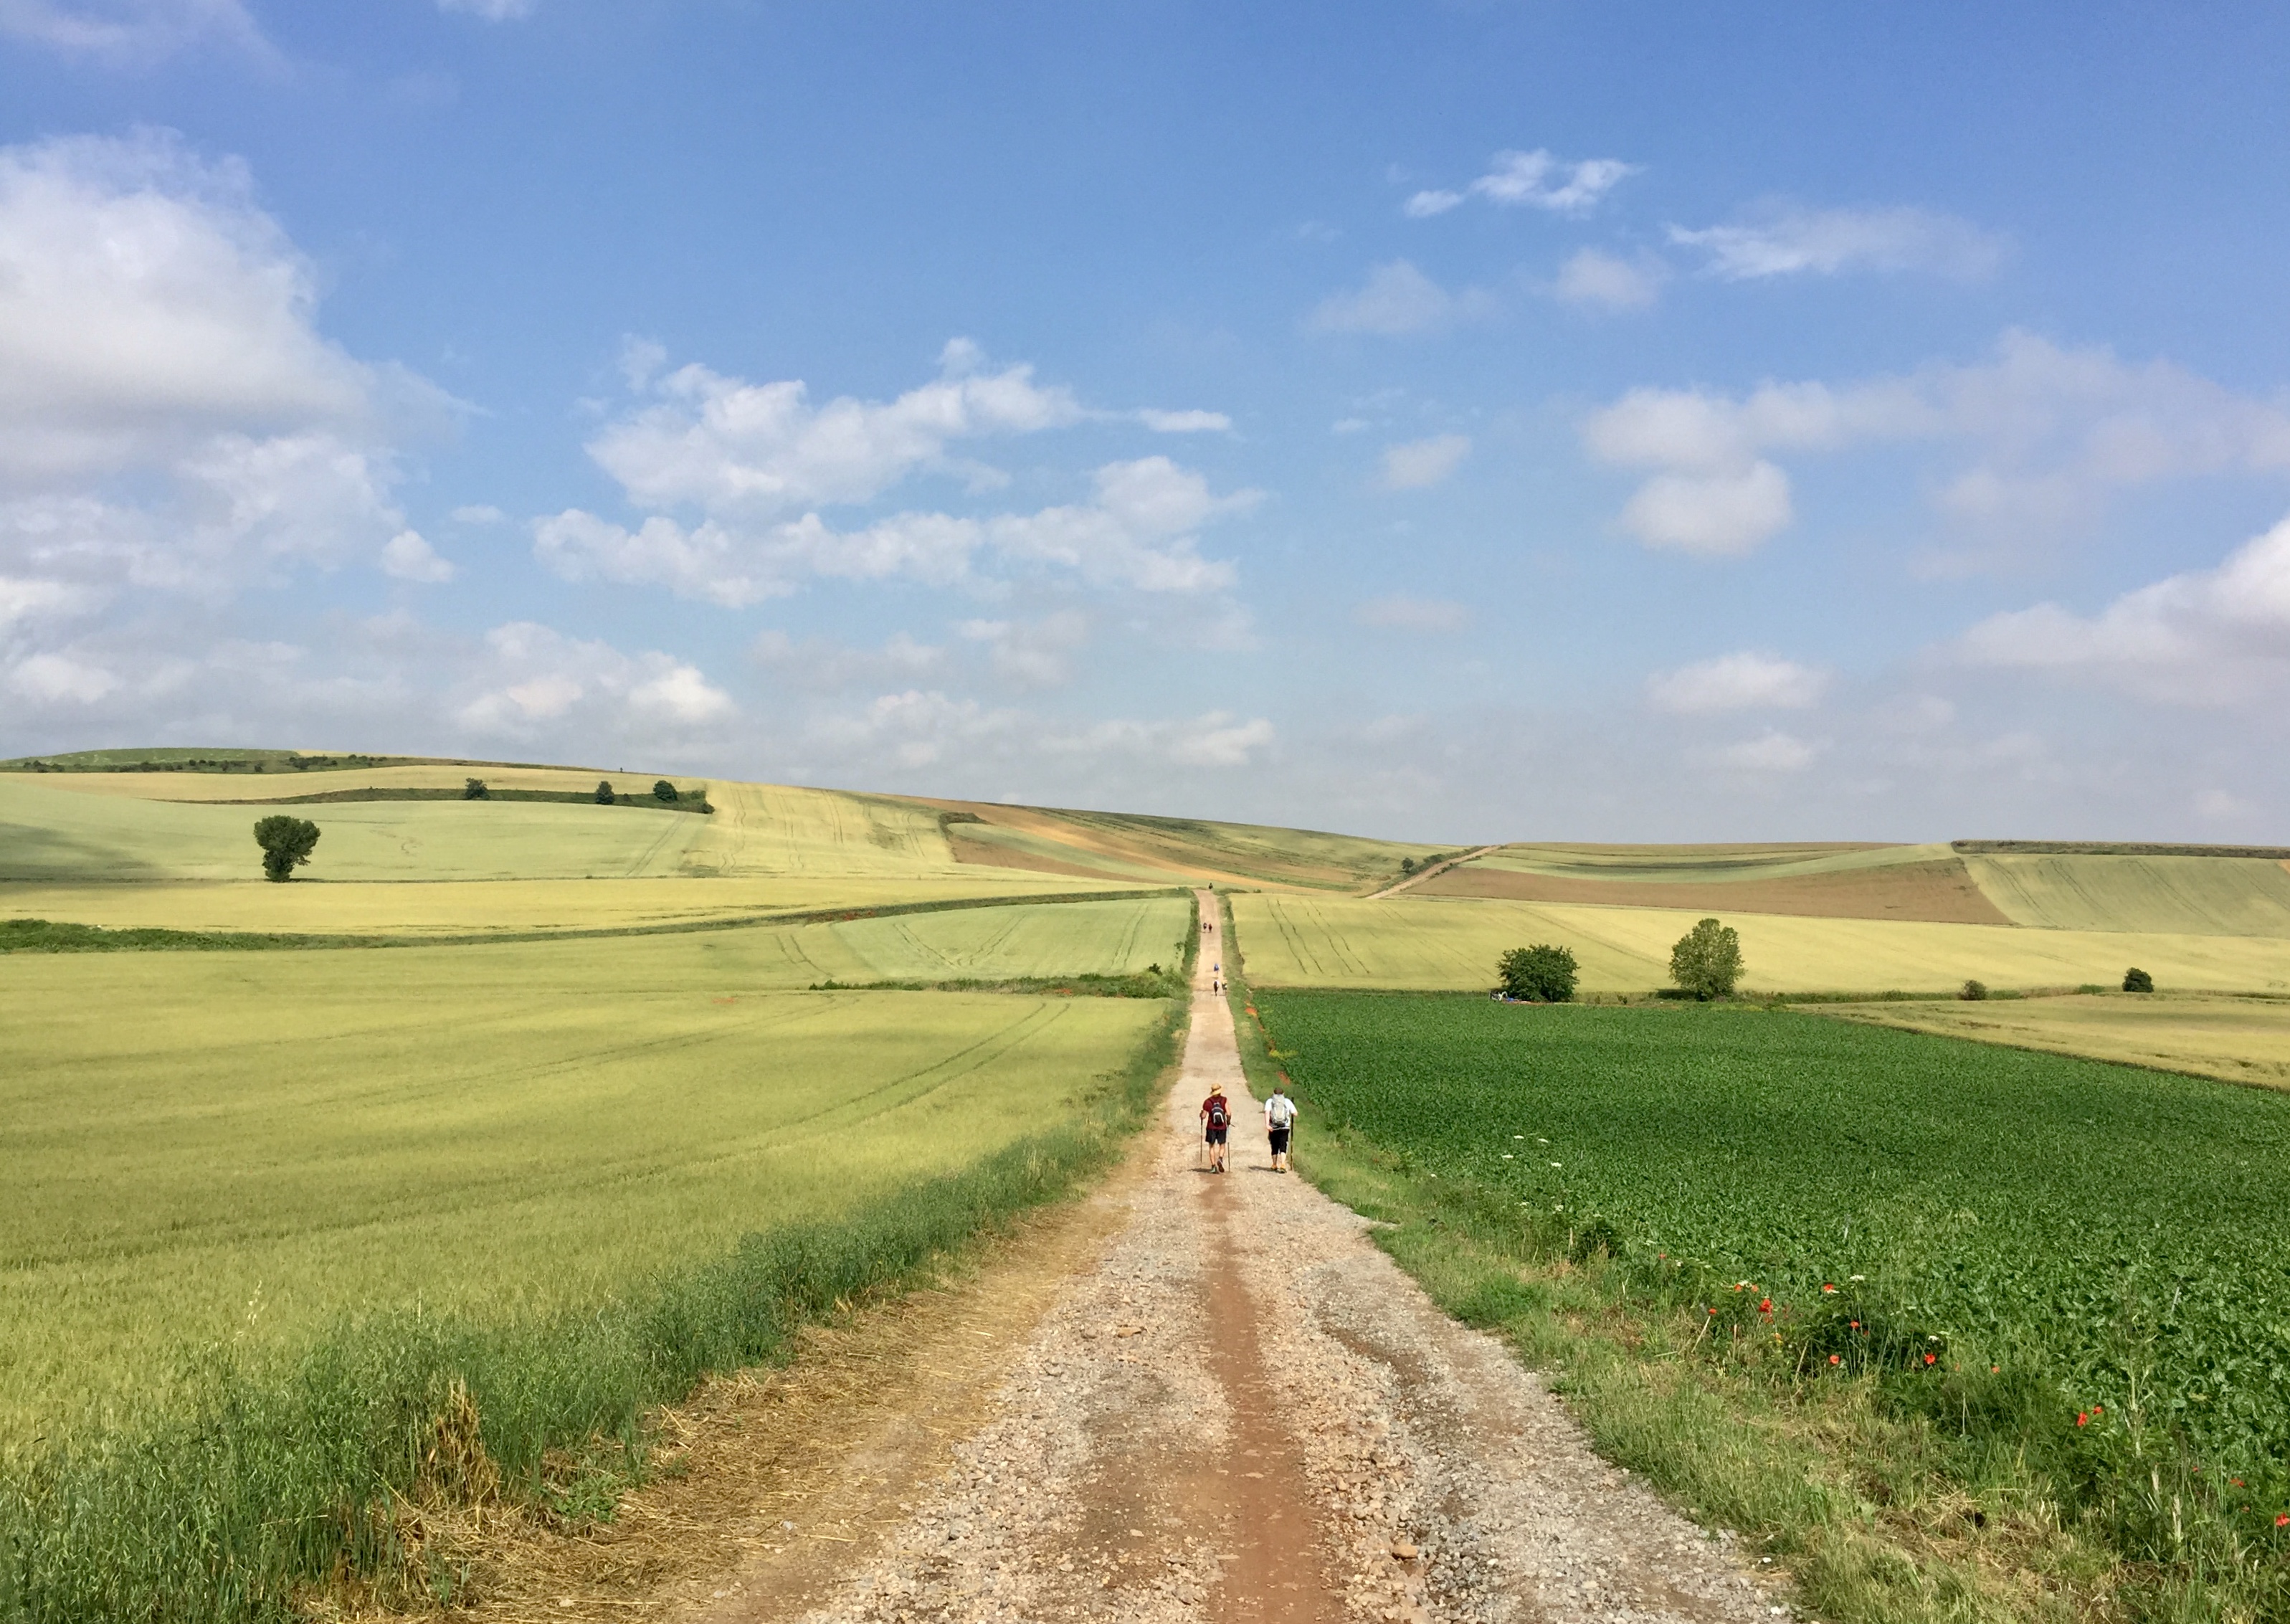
[1241,1410]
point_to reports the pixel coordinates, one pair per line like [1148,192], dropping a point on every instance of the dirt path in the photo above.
[1422,875]
[1242,1411]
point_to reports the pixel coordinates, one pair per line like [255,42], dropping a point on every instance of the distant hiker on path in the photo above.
[1216,1122]
[1279,1122]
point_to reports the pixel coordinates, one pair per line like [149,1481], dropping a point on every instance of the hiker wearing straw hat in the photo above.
[1216,1123]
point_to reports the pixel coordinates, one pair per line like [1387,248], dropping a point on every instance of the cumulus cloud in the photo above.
[1530,180]
[410,557]
[1746,681]
[2215,636]
[1398,300]
[735,448]
[1784,241]
[2053,434]
[1414,614]
[1590,277]
[170,418]
[1032,654]
[1419,463]
[1138,532]
[533,678]
[133,31]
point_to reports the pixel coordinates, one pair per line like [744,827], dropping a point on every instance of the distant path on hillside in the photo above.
[1241,1410]
[1422,875]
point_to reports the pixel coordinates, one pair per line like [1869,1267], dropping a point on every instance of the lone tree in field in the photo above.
[1707,960]
[605,796]
[2138,980]
[663,791]
[474,789]
[286,841]
[1541,974]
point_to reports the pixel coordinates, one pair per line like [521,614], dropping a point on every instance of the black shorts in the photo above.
[1216,1135]
[1279,1138]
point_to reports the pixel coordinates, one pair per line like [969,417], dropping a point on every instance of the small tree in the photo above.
[286,843]
[2135,980]
[1541,974]
[1973,991]
[664,791]
[474,789]
[605,796]
[1706,961]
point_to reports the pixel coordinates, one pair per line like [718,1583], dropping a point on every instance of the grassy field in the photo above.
[1156,849]
[2237,1040]
[2221,896]
[1431,945]
[459,908]
[202,1145]
[2059,1290]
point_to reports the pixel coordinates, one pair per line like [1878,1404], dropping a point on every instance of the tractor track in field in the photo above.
[1191,1397]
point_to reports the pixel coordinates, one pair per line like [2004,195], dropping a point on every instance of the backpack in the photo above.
[1216,1114]
[1284,1111]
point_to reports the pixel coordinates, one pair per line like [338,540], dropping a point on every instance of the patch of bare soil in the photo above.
[1939,893]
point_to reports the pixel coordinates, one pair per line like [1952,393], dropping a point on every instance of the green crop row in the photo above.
[2086,1267]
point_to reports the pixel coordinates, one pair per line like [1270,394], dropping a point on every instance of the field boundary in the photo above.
[44,936]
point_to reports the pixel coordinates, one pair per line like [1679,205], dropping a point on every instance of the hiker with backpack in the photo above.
[1216,1122]
[1279,1122]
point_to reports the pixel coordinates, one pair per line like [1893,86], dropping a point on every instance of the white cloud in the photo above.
[1531,180]
[1185,422]
[492,10]
[533,678]
[133,31]
[1035,654]
[1787,241]
[1398,300]
[53,677]
[1716,515]
[170,416]
[2216,636]
[2055,434]
[1414,614]
[1746,681]
[1590,277]
[1421,463]
[735,448]
[479,513]
[409,557]
[1774,752]
[1138,532]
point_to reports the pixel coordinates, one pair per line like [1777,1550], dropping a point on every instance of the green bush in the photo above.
[286,843]
[1706,961]
[1539,974]
[662,790]
[1973,991]
[474,789]
[604,797]
[2135,980]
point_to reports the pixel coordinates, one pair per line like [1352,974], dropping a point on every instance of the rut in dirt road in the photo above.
[1244,1412]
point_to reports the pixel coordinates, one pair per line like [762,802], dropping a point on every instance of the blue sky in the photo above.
[1460,422]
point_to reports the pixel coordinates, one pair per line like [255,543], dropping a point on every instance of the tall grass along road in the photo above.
[1244,1412]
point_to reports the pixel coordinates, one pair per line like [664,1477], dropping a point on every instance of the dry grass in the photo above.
[2237,1040]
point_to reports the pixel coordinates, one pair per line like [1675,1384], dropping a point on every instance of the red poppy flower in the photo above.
[1836,1359]
[1856,1325]
[1995,1370]
[1766,1306]
[2099,1408]
[1828,1291]
[1932,1358]
[2282,1522]
[2082,1420]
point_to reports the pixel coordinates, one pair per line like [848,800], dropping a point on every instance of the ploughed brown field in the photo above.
[1940,892]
